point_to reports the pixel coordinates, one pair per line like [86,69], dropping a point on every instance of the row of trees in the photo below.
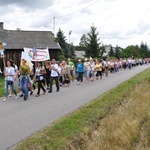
[92,46]
[134,51]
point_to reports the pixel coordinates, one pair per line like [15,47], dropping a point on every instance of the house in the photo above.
[107,50]
[16,40]
[80,54]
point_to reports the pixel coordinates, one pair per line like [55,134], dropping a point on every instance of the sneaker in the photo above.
[25,98]
[37,95]
[78,83]
[21,95]
[10,95]
[4,99]
[16,97]
[31,92]
[44,93]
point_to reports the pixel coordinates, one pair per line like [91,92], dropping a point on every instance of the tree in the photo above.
[61,39]
[102,50]
[92,47]
[131,51]
[64,53]
[111,52]
[117,52]
[83,42]
[144,50]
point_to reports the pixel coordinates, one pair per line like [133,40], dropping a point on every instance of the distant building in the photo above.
[16,40]
[107,50]
[80,54]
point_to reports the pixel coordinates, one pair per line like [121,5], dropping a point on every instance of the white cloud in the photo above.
[122,22]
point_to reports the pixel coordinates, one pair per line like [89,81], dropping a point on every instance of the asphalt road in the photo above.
[19,119]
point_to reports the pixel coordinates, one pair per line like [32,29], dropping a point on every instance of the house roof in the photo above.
[18,39]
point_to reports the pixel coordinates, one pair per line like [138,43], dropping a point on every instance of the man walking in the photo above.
[54,75]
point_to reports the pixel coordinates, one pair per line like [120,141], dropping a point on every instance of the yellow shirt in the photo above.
[99,67]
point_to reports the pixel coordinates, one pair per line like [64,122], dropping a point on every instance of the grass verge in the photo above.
[1,86]
[76,130]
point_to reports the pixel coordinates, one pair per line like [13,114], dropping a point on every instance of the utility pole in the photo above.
[54,26]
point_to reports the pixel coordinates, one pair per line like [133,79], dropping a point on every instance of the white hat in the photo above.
[85,59]
[91,58]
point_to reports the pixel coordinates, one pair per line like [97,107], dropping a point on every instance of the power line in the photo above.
[77,10]
[70,15]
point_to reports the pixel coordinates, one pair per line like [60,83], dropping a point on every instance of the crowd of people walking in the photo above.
[43,76]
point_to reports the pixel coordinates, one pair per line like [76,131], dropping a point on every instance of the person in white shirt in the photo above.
[15,78]
[54,76]
[92,67]
[87,69]
[129,63]
[9,73]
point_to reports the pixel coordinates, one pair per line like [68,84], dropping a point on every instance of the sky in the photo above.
[118,22]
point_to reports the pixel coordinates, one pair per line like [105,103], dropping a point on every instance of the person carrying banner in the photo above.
[24,72]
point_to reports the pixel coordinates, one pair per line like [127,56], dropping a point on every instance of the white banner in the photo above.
[35,54]
[32,54]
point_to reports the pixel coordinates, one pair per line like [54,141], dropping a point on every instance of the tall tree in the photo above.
[111,52]
[83,41]
[93,45]
[117,52]
[143,50]
[62,42]
[61,39]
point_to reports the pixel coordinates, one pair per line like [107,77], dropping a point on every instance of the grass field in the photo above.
[118,120]
[1,86]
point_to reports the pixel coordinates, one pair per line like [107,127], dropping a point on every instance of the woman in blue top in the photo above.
[80,70]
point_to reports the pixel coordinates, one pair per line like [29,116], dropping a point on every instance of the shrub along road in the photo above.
[19,119]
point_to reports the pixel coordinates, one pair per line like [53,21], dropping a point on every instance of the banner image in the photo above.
[35,54]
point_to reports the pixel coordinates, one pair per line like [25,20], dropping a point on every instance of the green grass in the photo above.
[1,86]
[68,130]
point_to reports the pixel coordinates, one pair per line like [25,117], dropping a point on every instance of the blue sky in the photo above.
[119,22]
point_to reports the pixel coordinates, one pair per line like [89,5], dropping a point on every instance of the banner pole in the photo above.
[4,62]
